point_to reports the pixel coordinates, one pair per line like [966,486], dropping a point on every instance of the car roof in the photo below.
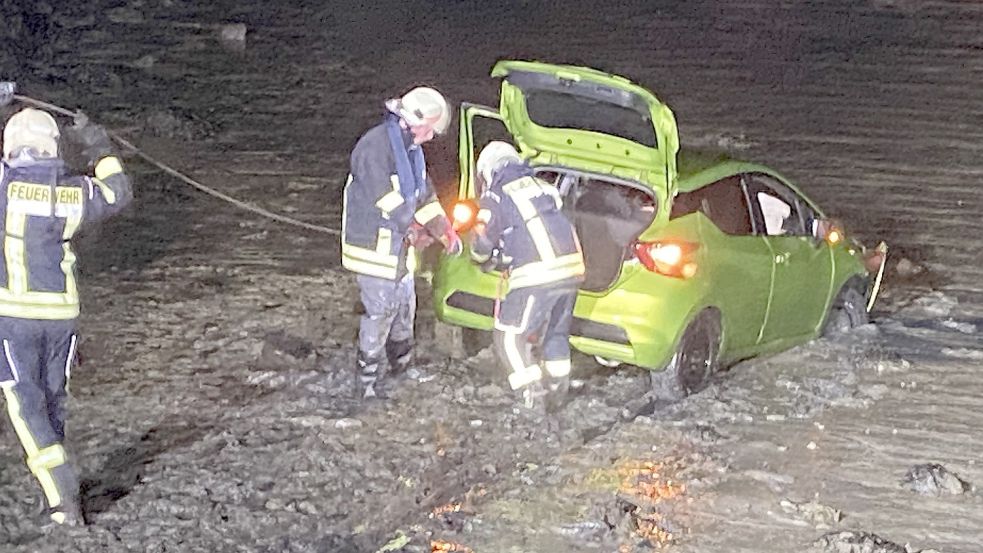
[699,167]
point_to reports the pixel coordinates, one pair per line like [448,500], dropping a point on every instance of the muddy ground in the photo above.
[212,410]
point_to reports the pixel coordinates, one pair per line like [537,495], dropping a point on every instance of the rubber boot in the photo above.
[69,513]
[400,355]
[532,397]
[367,379]
[557,390]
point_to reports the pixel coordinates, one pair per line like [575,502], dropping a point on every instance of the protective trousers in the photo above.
[386,328]
[35,368]
[532,332]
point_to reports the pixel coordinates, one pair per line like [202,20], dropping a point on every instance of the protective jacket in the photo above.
[43,208]
[387,191]
[523,221]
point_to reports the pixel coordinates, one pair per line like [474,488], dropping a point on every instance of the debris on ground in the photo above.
[934,479]
[862,542]
[813,512]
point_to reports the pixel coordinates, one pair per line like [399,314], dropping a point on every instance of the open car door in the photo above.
[479,126]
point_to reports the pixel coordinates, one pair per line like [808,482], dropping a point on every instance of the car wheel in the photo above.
[694,362]
[849,310]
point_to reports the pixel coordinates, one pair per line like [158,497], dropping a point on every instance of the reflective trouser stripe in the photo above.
[522,374]
[558,368]
[40,461]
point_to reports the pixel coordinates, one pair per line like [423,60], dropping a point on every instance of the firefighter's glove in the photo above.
[418,237]
[92,138]
[7,89]
[452,243]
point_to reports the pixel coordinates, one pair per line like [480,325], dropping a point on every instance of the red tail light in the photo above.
[670,258]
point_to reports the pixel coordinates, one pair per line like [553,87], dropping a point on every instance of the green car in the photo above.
[694,260]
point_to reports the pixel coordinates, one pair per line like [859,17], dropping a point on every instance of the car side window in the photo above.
[778,208]
[723,202]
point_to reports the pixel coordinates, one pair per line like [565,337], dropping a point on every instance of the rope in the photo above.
[182,177]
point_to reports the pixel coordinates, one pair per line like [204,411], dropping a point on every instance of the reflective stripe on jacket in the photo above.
[523,217]
[42,209]
[376,217]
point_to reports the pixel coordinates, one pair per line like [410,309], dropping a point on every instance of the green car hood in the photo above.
[584,118]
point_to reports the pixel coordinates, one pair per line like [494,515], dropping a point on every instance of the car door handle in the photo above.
[782,258]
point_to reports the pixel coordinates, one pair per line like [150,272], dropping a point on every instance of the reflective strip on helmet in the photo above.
[428,212]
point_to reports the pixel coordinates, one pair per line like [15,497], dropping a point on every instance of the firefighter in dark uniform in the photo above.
[521,226]
[43,207]
[390,211]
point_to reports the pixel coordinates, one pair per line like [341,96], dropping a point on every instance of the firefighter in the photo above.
[520,224]
[42,208]
[390,210]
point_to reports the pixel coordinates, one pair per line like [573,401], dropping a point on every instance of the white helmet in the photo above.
[423,105]
[31,128]
[494,155]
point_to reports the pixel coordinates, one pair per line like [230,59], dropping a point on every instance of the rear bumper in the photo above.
[639,326]
[472,304]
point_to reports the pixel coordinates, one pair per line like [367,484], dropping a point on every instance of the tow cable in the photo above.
[177,174]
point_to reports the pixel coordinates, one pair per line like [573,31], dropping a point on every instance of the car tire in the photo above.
[696,359]
[848,311]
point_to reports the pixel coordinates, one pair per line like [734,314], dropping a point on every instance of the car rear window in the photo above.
[723,202]
[551,108]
